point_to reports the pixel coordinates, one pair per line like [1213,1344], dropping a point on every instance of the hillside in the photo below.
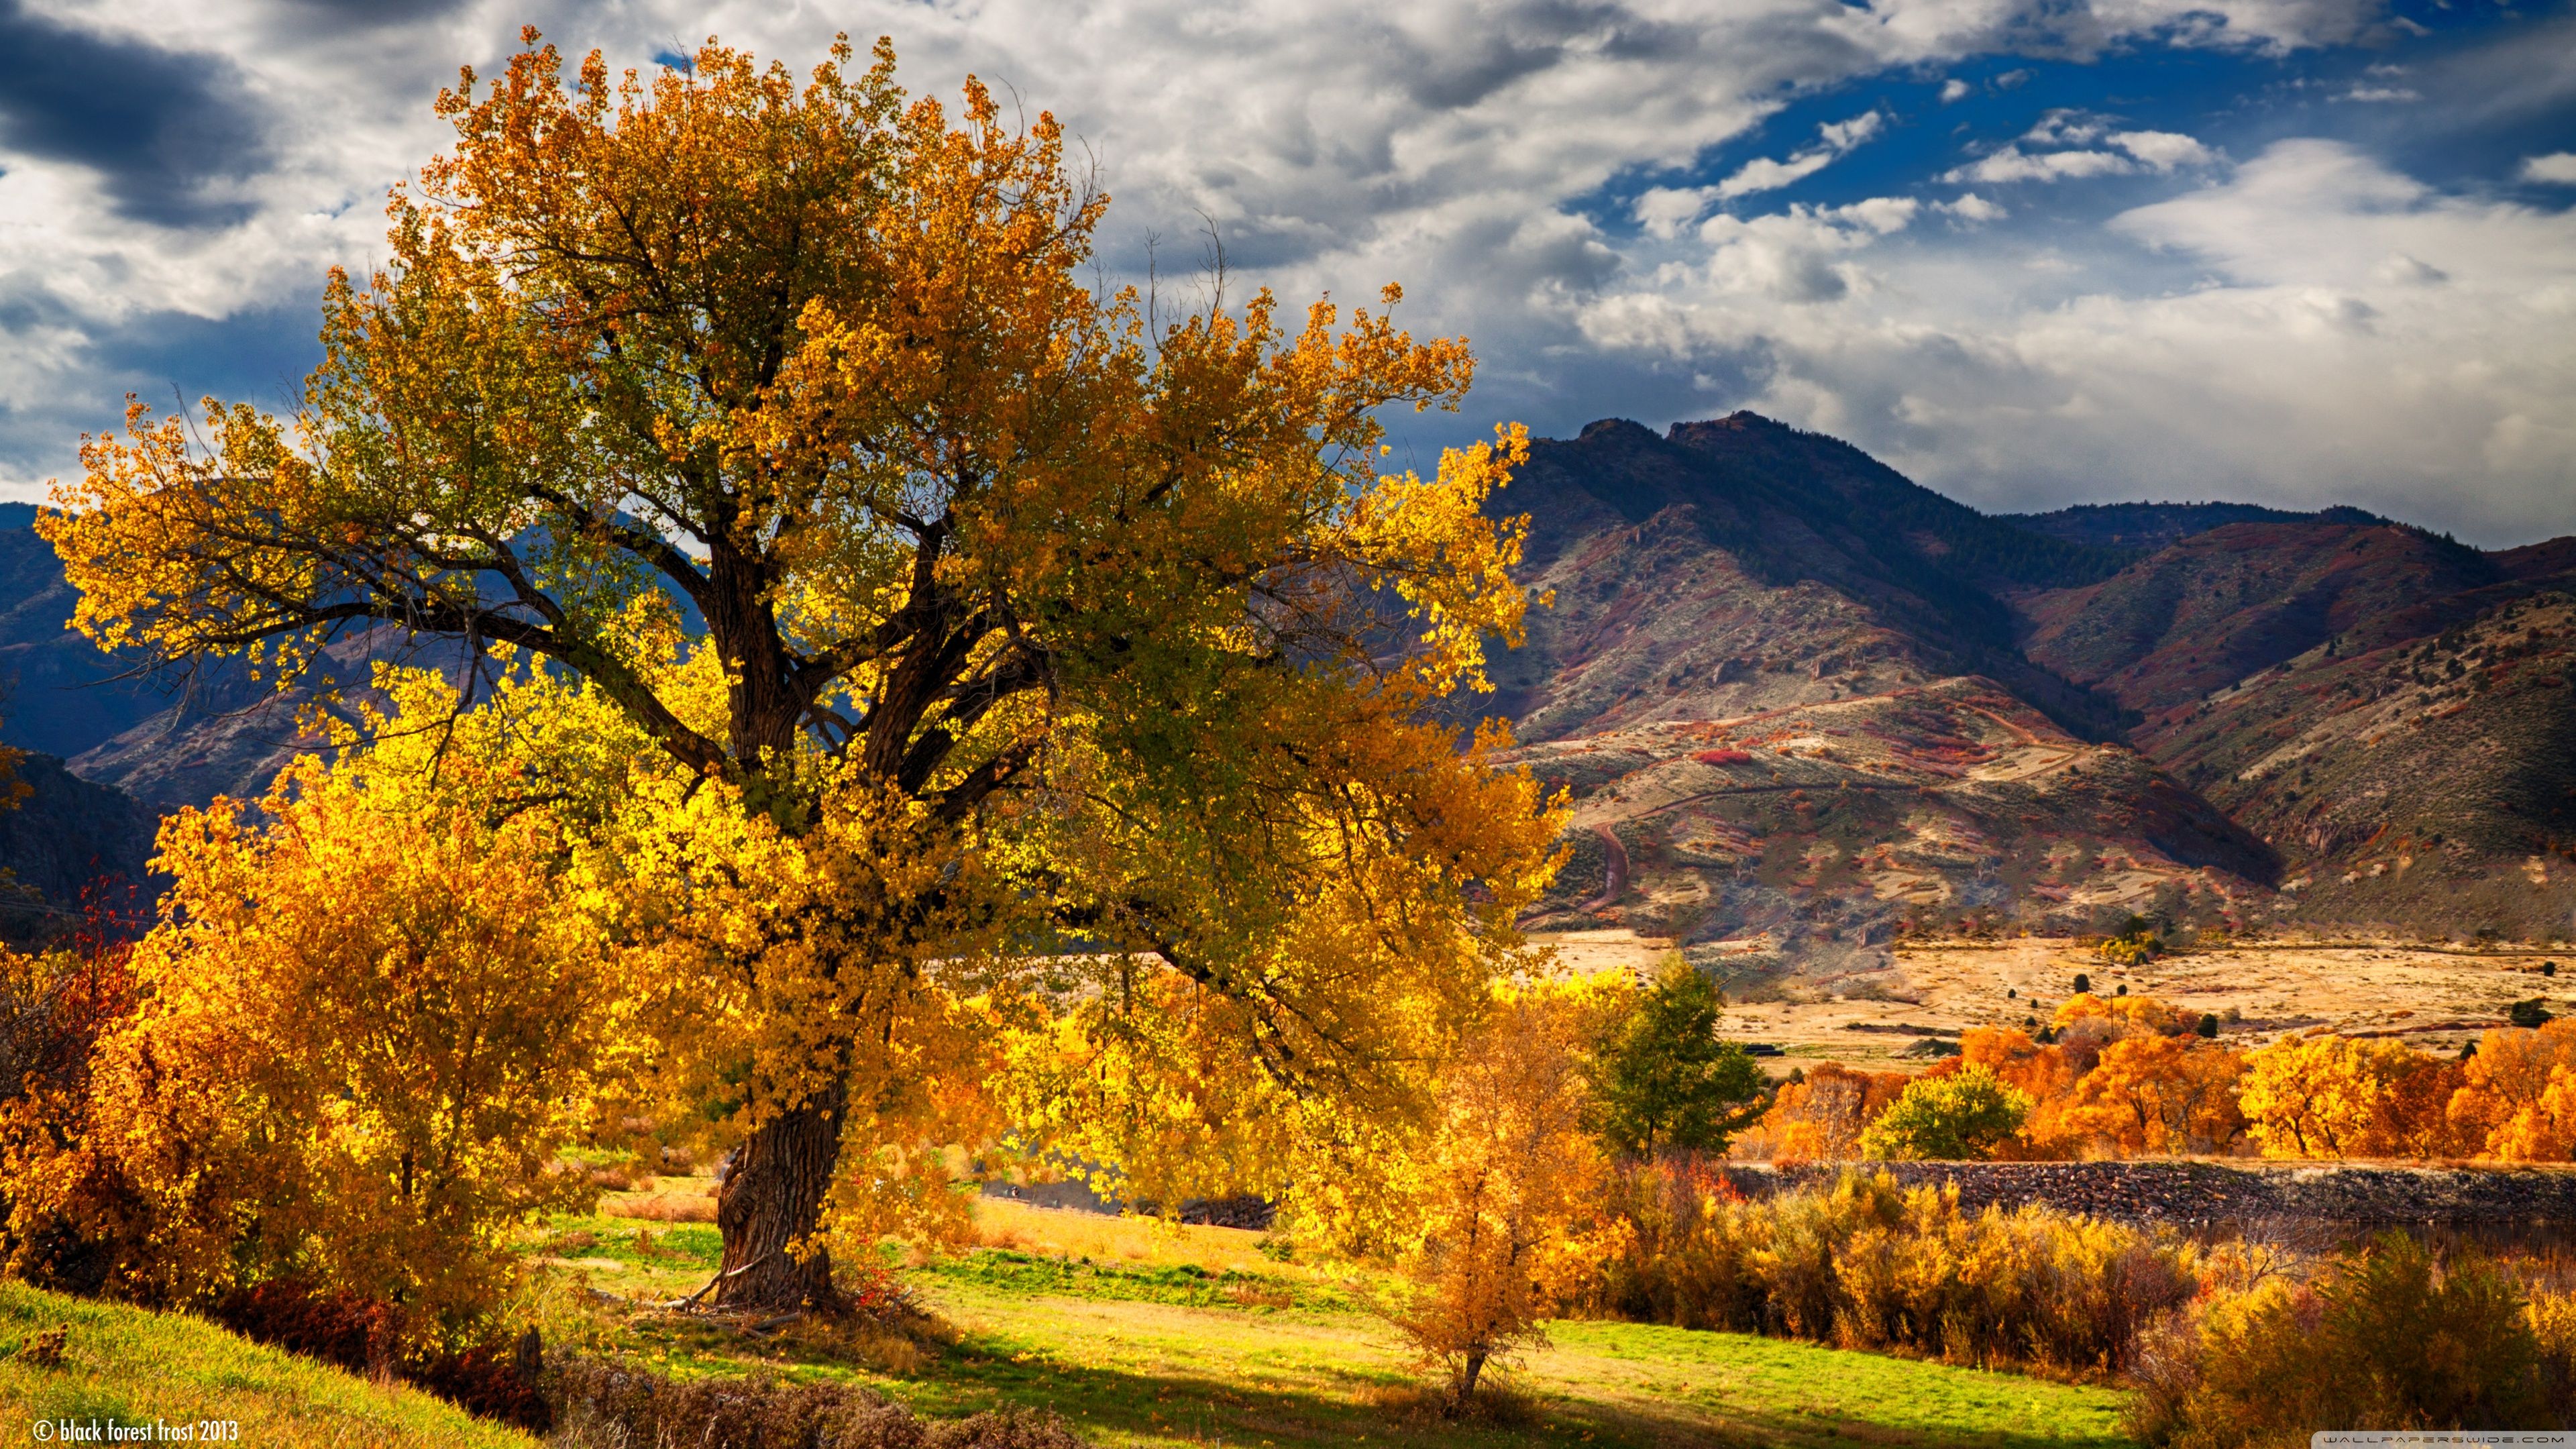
[2428,784]
[69,844]
[58,693]
[1818,833]
[2143,528]
[2224,605]
[1804,703]
[132,1367]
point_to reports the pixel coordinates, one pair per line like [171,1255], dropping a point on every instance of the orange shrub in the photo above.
[2517,1096]
[1821,1117]
[2159,1094]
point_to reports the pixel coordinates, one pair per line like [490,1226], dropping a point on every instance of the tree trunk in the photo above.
[772,1199]
[1467,1376]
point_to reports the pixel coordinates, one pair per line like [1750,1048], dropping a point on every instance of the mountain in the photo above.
[1741,565]
[58,693]
[2146,527]
[69,845]
[2223,605]
[1803,704]
[2426,784]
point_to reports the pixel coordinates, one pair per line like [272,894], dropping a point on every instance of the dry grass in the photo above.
[1148,1242]
[2430,996]
[664,1200]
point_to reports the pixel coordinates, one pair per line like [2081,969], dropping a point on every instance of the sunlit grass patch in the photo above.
[133,1366]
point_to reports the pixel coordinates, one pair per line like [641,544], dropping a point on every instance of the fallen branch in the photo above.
[683,1305]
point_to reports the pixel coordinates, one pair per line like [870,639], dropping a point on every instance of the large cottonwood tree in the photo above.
[1017,589]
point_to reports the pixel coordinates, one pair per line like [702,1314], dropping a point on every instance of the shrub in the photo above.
[2529,1014]
[1508,1167]
[1866,1265]
[365,1029]
[2386,1338]
[1964,1115]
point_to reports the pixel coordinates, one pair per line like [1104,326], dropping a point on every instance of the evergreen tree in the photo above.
[1663,1082]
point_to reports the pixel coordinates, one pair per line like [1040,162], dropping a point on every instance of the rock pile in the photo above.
[2217,1195]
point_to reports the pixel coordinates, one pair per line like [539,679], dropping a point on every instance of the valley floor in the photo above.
[2433,998]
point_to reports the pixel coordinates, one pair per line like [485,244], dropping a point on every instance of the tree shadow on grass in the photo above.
[1383,1407]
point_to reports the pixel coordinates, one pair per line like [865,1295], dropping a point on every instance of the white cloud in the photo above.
[1954,89]
[2357,336]
[2164,150]
[1452,145]
[2557,168]
[1844,135]
[1972,208]
[2066,128]
[2380,94]
[1764,174]
[2014,164]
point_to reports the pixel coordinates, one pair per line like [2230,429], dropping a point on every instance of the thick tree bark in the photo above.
[773,1198]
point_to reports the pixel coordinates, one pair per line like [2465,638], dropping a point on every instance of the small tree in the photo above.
[1663,1080]
[1962,1116]
[1508,1168]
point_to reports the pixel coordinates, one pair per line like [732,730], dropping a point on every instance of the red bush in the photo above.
[1723,757]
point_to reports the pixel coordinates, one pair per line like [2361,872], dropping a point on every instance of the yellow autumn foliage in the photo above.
[908,605]
[365,1032]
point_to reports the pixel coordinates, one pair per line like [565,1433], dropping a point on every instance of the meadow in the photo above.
[1144,1334]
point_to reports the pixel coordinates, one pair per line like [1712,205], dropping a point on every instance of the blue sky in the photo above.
[2030,251]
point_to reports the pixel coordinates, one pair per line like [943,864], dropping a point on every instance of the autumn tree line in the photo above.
[2132,1076]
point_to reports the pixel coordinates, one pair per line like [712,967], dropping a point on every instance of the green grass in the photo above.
[1141,1340]
[1136,1345]
[133,1366]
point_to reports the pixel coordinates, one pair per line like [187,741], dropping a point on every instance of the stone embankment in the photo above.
[2238,1195]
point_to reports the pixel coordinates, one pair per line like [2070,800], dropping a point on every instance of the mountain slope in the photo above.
[1740,565]
[2427,785]
[1782,681]
[2223,605]
[1804,703]
[2148,527]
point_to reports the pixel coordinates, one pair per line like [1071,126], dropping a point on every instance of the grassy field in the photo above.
[129,1366]
[1146,1336]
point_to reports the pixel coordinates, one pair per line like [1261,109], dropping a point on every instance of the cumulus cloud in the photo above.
[1954,89]
[2129,151]
[2164,150]
[1972,208]
[2014,164]
[1664,211]
[2355,335]
[2558,168]
[1455,145]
